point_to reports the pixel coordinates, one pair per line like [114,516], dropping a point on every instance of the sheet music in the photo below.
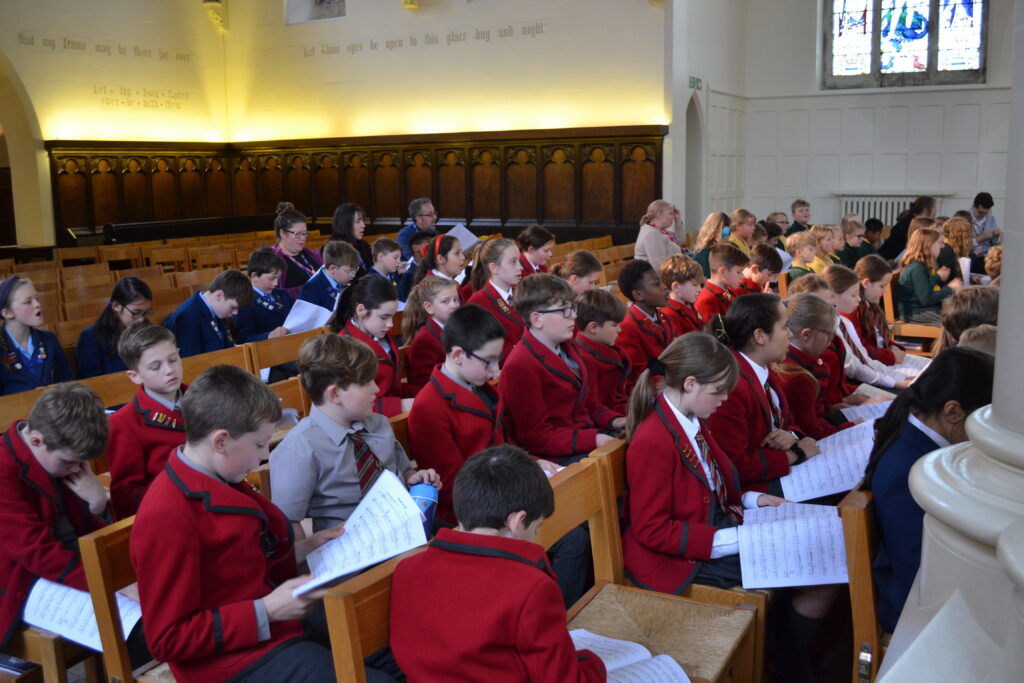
[386,523]
[305,316]
[466,238]
[660,669]
[826,474]
[912,365]
[68,612]
[870,411]
[800,551]
[847,438]
[871,392]
[613,652]
[770,514]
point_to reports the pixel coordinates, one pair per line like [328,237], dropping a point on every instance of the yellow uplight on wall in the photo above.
[76,124]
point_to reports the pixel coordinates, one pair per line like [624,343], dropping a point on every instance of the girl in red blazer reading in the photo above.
[496,272]
[366,311]
[536,244]
[426,313]
[685,498]
[869,318]
[580,269]
[754,426]
[645,330]
[683,277]
[803,374]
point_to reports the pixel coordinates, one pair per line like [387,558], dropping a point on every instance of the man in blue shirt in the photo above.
[422,217]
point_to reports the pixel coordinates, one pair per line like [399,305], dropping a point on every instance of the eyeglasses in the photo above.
[488,364]
[300,235]
[432,214]
[567,312]
[139,315]
[784,220]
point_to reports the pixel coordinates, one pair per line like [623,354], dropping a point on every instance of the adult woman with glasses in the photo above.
[130,303]
[301,263]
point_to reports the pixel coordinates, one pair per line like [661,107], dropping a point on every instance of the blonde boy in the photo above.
[803,247]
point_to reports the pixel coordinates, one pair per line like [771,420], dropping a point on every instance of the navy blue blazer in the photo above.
[256,321]
[318,290]
[91,355]
[405,284]
[900,523]
[196,329]
[393,278]
[51,364]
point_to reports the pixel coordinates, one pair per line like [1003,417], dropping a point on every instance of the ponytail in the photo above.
[432,251]
[746,315]
[415,315]
[372,291]
[580,263]
[487,253]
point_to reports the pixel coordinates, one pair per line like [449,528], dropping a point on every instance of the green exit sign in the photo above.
[695,83]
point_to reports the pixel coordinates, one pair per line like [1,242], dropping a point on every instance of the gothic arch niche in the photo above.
[693,207]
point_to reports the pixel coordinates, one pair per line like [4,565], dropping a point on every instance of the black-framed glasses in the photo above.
[488,364]
[139,315]
[566,311]
[300,235]
[432,214]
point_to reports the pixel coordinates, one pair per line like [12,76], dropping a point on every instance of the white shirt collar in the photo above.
[939,440]
[759,370]
[690,425]
[439,323]
[504,294]
[435,271]
[652,318]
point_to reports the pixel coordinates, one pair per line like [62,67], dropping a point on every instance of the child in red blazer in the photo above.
[366,312]
[145,431]
[803,374]
[645,331]
[481,603]
[216,584]
[727,263]
[685,497]
[496,272]
[426,313]
[599,315]
[869,318]
[754,425]
[44,472]
[551,411]
[536,244]
[764,265]
[684,278]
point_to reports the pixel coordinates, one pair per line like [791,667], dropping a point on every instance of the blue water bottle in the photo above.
[425,496]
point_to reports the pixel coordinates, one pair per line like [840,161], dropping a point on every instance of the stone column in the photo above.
[1011,558]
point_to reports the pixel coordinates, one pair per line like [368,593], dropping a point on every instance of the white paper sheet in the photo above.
[466,238]
[386,523]
[872,392]
[613,652]
[826,474]
[305,316]
[799,551]
[870,411]
[68,612]
[767,515]
[660,669]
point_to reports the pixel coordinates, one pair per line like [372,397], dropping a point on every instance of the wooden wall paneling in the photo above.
[597,185]
[521,185]
[103,182]
[217,184]
[271,183]
[72,195]
[138,203]
[326,184]
[190,184]
[485,186]
[299,183]
[165,189]
[246,192]
[419,177]
[559,184]
[639,180]
[451,184]
[387,189]
[357,181]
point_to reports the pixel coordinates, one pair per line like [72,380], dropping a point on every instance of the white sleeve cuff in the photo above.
[750,499]
[726,542]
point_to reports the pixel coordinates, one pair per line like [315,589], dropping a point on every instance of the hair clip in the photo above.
[655,367]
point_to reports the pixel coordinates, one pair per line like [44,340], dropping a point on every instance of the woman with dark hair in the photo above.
[932,413]
[300,263]
[896,242]
[349,225]
[131,303]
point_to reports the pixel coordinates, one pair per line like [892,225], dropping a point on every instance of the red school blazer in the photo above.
[683,317]
[609,370]
[28,517]
[447,425]
[713,300]
[143,433]
[804,384]
[390,387]
[489,300]
[741,423]
[641,339]
[425,352]
[529,268]
[877,339]
[669,502]
[834,358]
[550,411]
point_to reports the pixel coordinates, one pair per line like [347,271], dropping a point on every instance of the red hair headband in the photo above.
[437,247]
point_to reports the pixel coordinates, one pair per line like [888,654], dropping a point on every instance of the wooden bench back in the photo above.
[271,352]
[860,531]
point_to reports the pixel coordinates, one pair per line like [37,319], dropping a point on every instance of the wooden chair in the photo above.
[161,312]
[280,350]
[52,309]
[259,480]
[86,292]
[292,395]
[607,256]
[242,257]
[88,281]
[902,329]
[216,257]
[77,254]
[34,266]
[170,296]
[194,366]
[860,532]
[6,265]
[74,310]
[53,654]
[117,253]
[200,278]
[171,259]
[18,406]
[40,276]
[114,389]
[76,272]
[783,282]
[151,275]
[67,331]
[613,457]
[400,426]
[108,569]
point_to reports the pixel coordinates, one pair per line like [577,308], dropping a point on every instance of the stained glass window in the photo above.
[960,35]
[876,43]
[851,43]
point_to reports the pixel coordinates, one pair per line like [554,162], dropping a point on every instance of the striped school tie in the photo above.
[368,467]
[733,511]
[776,415]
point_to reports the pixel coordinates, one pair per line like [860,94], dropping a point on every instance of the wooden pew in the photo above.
[194,366]
[18,406]
[53,654]
[292,395]
[280,350]
[902,329]
[400,426]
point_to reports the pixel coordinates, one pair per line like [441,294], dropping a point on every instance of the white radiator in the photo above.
[885,208]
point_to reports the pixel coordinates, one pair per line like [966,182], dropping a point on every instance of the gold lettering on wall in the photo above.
[447,38]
